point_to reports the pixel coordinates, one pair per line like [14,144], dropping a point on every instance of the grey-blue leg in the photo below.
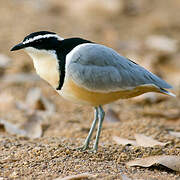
[86,143]
[101,114]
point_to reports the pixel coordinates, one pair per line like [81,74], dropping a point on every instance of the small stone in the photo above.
[14,175]
[67,151]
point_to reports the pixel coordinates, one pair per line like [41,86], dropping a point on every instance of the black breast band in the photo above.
[62,50]
[62,63]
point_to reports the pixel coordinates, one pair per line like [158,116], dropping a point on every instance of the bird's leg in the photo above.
[101,114]
[86,143]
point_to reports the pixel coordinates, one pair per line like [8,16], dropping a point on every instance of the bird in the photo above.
[88,73]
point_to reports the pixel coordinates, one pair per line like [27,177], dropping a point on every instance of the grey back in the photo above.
[99,68]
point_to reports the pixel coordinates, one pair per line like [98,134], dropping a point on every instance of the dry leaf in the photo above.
[145,141]
[32,128]
[133,8]
[32,98]
[11,128]
[172,114]
[4,61]
[162,43]
[111,116]
[141,140]
[82,176]
[172,162]
[176,134]
[124,177]
[20,78]
[23,106]
[150,98]
[37,108]
[35,101]
[6,101]
[123,141]
[101,7]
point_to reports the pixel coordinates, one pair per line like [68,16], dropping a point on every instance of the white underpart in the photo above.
[45,63]
[40,52]
[42,37]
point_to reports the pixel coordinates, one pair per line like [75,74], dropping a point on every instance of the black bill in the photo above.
[18,46]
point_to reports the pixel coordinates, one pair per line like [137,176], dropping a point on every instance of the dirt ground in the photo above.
[147,32]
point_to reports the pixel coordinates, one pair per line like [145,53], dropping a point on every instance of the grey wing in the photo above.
[99,68]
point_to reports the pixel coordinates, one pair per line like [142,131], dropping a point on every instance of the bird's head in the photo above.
[41,42]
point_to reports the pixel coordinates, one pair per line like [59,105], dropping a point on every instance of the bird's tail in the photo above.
[167,92]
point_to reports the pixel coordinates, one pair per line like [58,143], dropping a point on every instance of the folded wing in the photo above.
[99,68]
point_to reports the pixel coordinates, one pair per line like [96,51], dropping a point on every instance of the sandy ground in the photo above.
[127,26]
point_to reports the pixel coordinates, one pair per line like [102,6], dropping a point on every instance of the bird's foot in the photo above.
[95,148]
[92,150]
[82,148]
[85,147]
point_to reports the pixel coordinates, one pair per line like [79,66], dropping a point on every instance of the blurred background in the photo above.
[148,32]
[145,31]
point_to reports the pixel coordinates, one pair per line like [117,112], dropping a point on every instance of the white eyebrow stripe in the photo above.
[43,36]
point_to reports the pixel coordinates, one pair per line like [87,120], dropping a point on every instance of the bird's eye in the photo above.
[38,41]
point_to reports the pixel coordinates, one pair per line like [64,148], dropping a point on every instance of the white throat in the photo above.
[45,63]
